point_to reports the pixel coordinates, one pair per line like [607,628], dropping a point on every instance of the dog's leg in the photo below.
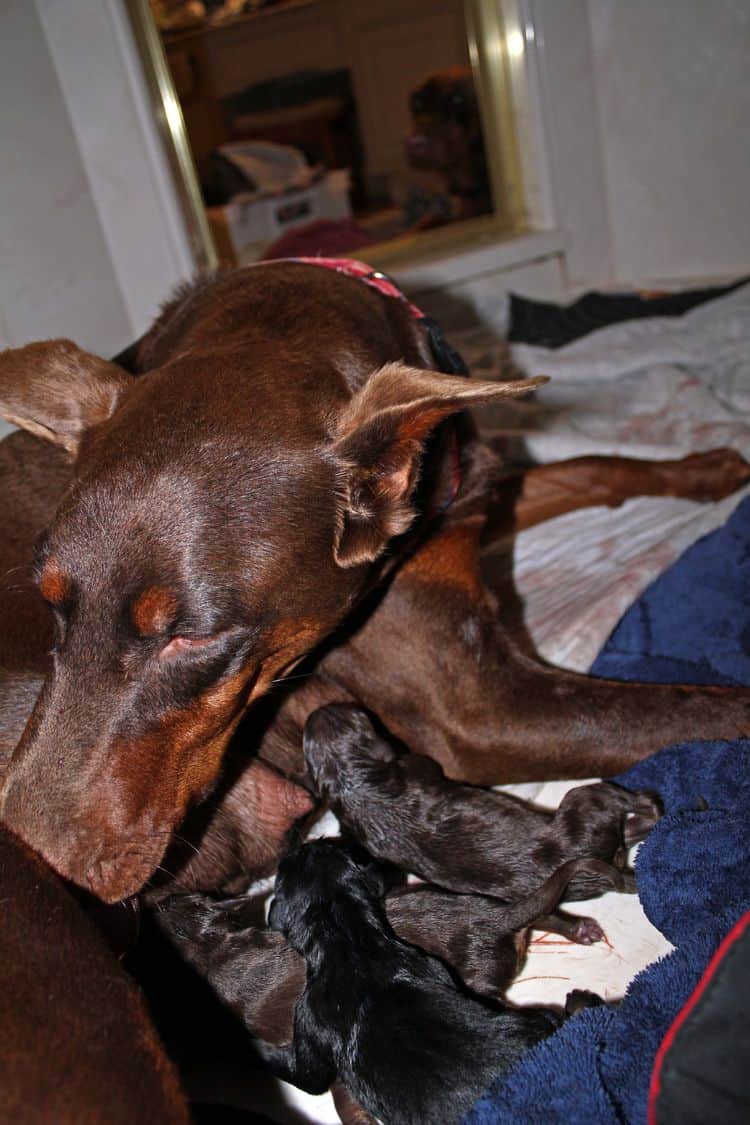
[545,491]
[350,1111]
[540,907]
[575,927]
[435,664]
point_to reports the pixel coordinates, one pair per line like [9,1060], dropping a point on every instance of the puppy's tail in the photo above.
[546,898]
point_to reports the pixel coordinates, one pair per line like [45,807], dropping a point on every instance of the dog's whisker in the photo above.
[183,840]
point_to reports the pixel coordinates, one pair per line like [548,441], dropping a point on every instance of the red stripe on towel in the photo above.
[655,1085]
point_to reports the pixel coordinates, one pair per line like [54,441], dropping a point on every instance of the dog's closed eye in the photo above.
[179,646]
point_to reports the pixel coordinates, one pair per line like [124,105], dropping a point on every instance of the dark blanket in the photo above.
[548,325]
[691,625]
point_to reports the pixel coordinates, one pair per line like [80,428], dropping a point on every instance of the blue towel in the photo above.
[691,626]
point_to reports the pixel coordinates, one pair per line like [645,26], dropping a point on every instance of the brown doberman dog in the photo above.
[446,138]
[283,475]
[78,1047]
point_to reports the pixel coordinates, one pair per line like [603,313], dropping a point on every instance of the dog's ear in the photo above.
[379,876]
[57,391]
[381,435]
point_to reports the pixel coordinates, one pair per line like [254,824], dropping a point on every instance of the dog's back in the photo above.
[390,1020]
[77,1043]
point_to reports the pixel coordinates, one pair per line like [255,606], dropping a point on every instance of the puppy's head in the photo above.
[316,881]
[343,751]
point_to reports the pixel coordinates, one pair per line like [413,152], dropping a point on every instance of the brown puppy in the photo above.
[78,1047]
[463,838]
[279,473]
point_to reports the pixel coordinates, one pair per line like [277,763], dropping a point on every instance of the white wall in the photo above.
[646,106]
[56,277]
[91,238]
[113,121]
[673,91]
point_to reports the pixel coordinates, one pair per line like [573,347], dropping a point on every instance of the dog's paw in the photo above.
[712,475]
[585,931]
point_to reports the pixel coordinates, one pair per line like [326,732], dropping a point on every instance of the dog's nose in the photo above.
[113,879]
[99,873]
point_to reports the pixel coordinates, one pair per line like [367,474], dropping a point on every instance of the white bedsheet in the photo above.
[658,388]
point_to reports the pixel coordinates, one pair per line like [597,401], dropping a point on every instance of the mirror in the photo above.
[330,127]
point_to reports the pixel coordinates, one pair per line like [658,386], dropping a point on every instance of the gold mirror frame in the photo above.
[171,124]
[487,44]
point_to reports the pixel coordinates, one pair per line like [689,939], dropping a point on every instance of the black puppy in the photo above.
[256,973]
[386,1018]
[467,839]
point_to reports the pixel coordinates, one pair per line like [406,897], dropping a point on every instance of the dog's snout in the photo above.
[118,876]
[99,875]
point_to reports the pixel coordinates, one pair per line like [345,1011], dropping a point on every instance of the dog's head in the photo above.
[224,516]
[446,126]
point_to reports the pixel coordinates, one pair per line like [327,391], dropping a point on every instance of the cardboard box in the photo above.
[245,226]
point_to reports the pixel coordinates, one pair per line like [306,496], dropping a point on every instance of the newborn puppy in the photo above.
[486,940]
[259,976]
[386,1018]
[462,837]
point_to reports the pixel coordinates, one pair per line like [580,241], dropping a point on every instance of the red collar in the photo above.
[360,270]
[363,272]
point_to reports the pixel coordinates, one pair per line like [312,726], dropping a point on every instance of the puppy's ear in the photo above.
[381,436]
[277,915]
[378,875]
[57,391]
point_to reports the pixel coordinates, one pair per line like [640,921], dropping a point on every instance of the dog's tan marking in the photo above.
[153,610]
[450,557]
[54,583]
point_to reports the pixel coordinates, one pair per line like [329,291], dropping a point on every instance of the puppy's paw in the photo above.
[580,999]
[645,811]
[585,931]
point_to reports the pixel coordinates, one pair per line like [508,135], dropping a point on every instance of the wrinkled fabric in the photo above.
[657,388]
